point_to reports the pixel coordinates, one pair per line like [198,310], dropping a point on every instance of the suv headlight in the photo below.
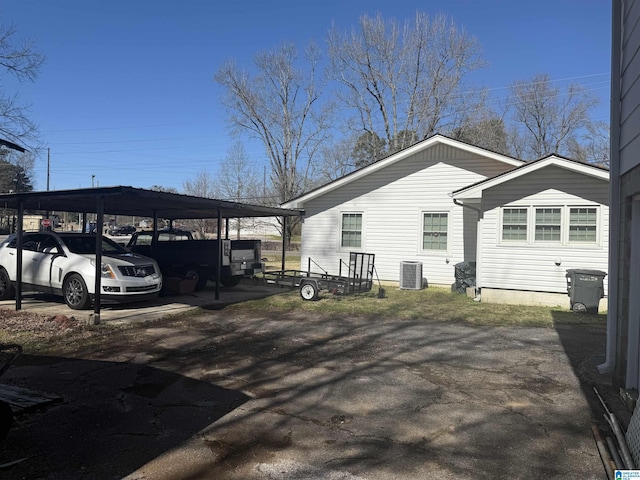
[105,271]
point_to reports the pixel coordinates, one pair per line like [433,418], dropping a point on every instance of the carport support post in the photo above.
[284,240]
[219,266]
[19,255]
[95,318]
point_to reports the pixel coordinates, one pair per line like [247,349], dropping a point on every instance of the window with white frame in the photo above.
[583,224]
[550,224]
[351,230]
[514,224]
[435,228]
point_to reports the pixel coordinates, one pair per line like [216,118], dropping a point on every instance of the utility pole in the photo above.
[48,166]
[48,170]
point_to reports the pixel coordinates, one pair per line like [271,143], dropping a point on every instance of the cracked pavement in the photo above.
[315,397]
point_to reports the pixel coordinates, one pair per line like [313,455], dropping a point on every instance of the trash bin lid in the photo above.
[579,271]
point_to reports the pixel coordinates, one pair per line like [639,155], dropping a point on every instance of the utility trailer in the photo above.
[358,278]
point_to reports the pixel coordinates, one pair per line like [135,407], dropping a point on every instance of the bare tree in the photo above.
[23,62]
[201,186]
[593,146]
[279,105]
[489,133]
[238,181]
[160,188]
[404,83]
[547,119]
[16,169]
[336,159]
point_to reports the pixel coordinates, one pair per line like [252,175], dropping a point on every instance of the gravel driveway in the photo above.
[315,397]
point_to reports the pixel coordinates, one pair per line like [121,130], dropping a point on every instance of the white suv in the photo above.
[64,264]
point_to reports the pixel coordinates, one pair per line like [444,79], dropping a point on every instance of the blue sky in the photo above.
[127,97]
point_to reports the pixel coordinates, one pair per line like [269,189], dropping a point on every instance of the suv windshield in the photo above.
[87,244]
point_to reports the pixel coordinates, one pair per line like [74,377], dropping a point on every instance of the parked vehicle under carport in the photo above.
[180,255]
[64,264]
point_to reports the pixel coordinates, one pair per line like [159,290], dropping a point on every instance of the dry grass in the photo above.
[431,304]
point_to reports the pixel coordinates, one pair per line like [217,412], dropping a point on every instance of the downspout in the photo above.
[460,204]
[478,243]
[614,192]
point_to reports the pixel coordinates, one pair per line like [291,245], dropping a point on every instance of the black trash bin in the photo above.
[585,289]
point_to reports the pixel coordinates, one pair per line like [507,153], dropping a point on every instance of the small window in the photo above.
[351,230]
[434,232]
[548,224]
[514,224]
[582,225]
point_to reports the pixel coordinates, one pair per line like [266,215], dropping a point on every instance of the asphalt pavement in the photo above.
[301,396]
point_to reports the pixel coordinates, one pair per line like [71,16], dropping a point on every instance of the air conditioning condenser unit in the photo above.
[410,275]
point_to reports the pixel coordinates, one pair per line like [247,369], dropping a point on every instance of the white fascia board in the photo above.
[475,191]
[407,152]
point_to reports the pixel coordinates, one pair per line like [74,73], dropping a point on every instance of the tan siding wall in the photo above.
[532,266]
[392,201]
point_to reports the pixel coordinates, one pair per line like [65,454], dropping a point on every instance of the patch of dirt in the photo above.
[12,321]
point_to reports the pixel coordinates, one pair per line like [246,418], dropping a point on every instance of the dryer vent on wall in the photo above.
[410,275]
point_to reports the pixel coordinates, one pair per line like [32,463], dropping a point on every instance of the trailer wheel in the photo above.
[309,291]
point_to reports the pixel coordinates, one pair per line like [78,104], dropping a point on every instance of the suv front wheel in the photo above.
[6,287]
[75,292]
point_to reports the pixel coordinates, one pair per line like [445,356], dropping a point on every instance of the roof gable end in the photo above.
[475,190]
[397,157]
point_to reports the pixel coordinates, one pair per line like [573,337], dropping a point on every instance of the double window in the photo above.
[555,224]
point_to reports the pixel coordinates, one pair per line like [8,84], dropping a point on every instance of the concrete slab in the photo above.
[148,310]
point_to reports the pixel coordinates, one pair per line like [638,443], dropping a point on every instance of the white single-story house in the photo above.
[535,222]
[441,202]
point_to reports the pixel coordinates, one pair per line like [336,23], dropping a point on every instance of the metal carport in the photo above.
[122,200]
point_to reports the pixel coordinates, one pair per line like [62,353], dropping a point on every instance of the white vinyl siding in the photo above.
[537,265]
[627,77]
[392,202]
[351,230]
[435,229]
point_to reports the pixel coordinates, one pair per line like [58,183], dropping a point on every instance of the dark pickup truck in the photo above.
[179,254]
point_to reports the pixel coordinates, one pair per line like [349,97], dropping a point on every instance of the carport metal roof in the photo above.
[123,200]
[132,201]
